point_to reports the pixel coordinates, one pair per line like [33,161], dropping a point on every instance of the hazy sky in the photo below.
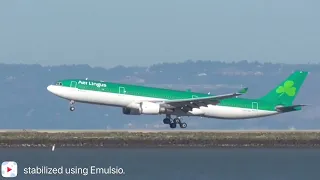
[142,32]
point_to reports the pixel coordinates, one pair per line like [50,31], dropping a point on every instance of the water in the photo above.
[166,164]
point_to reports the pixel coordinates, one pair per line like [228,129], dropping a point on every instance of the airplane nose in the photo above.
[54,89]
[50,88]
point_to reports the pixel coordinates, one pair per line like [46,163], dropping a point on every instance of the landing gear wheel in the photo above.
[72,108]
[166,121]
[173,125]
[183,125]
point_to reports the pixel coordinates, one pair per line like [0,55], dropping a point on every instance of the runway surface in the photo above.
[152,131]
[159,138]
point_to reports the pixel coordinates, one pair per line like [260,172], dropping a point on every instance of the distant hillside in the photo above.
[27,104]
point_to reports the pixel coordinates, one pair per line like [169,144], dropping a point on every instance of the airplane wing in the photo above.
[290,108]
[187,104]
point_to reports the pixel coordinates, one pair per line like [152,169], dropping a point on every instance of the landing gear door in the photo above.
[255,106]
[73,84]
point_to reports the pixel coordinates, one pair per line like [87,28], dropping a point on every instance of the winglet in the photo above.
[243,91]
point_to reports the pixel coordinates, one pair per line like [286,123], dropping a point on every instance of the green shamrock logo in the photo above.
[287,88]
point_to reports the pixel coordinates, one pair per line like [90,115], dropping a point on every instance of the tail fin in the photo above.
[286,92]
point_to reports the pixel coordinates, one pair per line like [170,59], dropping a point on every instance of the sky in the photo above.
[143,32]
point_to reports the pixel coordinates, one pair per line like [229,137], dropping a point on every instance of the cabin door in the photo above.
[73,84]
[255,106]
[122,90]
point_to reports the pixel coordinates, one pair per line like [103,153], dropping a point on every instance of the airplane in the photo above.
[143,100]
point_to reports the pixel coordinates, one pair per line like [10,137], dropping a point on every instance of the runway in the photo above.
[159,138]
[153,131]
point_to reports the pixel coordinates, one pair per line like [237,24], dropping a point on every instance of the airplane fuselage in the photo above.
[129,101]
[140,100]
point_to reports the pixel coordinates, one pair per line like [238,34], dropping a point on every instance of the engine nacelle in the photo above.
[130,111]
[151,108]
[145,108]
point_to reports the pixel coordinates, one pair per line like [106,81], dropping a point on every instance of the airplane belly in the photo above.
[99,98]
[92,97]
[223,112]
[96,97]
[196,112]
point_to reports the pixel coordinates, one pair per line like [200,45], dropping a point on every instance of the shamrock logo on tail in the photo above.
[287,88]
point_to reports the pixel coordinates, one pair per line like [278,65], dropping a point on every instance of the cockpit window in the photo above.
[59,84]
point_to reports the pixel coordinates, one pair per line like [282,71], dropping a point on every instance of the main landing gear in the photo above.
[173,122]
[72,108]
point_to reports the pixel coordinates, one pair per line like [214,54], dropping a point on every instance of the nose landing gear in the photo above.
[72,108]
[173,122]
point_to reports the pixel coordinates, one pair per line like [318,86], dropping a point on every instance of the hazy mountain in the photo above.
[26,103]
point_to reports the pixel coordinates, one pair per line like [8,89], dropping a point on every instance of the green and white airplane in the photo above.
[138,100]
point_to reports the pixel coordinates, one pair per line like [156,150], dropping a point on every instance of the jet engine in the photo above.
[150,108]
[145,108]
[153,108]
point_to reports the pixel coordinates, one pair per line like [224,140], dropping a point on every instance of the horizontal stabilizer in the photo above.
[290,108]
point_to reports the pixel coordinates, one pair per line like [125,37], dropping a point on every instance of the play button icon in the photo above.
[9,169]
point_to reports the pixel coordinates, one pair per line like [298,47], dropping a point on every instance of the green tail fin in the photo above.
[286,92]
